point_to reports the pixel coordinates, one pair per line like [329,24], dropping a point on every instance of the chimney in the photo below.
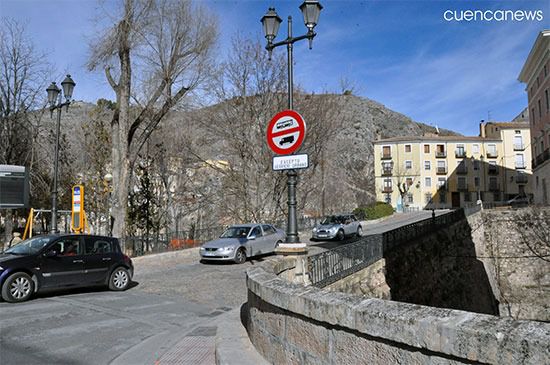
[482,126]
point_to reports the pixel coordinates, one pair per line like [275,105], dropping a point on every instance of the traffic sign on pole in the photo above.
[286,132]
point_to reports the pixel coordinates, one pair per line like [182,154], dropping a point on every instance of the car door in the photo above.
[99,258]
[270,238]
[63,267]
[256,245]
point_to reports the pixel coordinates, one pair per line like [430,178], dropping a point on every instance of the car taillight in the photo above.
[127,259]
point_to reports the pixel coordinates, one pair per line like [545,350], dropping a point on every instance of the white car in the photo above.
[337,227]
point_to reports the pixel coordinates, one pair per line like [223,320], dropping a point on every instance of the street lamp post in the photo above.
[108,179]
[56,102]
[271,22]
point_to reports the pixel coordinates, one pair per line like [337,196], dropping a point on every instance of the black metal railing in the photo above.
[330,266]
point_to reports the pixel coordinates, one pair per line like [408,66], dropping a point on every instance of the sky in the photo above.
[417,57]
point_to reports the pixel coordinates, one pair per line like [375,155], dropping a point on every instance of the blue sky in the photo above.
[403,54]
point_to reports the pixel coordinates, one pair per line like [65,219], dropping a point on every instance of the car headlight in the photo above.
[1,268]
[333,229]
[202,249]
[314,229]
[228,248]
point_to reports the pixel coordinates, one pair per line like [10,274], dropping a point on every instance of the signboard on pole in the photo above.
[290,162]
[286,132]
[14,187]
[77,210]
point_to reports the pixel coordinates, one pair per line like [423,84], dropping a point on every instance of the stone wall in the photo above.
[295,324]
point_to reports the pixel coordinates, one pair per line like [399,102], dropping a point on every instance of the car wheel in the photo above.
[359,231]
[340,236]
[240,256]
[17,288]
[119,280]
[277,244]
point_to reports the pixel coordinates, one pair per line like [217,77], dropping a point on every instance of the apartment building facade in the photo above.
[435,171]
[536,75]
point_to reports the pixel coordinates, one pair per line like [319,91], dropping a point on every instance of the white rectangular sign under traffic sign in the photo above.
[290,162]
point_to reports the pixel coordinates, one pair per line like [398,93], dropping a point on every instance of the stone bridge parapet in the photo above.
[294,324]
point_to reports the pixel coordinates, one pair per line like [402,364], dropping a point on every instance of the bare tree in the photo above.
[162,48]
[23,74]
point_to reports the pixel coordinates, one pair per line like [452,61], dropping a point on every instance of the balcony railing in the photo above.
[386,156]
[522,179]
[493,170]
[462,170]
[519,146]
[387,172]
[387,189]
[441,171]
[493,154]
[539,160]
[460,153]
[440,154]
[520,165]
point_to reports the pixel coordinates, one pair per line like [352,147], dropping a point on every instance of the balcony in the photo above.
[520,165]
[442,187]
[519,147]
[492,154]
[522,179]
[460,153]
[387,189]
[386,156]
[493,170]
[441,171]
[440,154]
[461,170]
[387,172]
[494,187]
[541,158]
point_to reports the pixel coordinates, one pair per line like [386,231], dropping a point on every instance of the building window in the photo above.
[428,198]
[462,183]
[467,197]
[428,182]
[491,150]
[475,148]
[441,169]
[408,164]
[476,182]
[518,143]
[520,163]
[407,148]
[410,198]
[547,100]
[388,198]
[460,151]
[427,165]
[387,184]
[426,148]
[518,131]
[409,181]
[533,115]
[442,197]
[476,164]
[386,151]
[540,109]
[440,150]
[441,182]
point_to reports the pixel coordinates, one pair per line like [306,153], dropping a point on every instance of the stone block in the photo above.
[308,337]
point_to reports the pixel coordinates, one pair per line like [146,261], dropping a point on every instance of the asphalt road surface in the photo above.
[169,313]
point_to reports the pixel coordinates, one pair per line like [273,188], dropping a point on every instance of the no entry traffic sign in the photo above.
[286,132]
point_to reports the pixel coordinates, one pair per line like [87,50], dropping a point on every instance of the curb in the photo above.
[233,346]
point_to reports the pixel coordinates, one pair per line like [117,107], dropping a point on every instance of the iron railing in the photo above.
[330,266]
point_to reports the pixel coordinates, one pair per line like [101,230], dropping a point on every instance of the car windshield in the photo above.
[30,246]
[236,232]
[332,219]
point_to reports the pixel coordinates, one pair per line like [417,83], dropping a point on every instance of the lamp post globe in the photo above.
[68,86]
[311,10]
[53,93]
[108,177]
[271,22]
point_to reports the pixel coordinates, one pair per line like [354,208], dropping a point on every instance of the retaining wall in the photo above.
[294,324]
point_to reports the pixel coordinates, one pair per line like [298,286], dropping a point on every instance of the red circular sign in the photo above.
[286,132]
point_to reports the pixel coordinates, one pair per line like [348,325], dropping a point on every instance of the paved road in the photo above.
[168,316]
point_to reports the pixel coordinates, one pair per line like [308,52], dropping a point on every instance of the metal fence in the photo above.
[330,266]
[174,241]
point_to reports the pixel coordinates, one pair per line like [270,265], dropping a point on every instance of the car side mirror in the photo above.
[252,237]
[51,253]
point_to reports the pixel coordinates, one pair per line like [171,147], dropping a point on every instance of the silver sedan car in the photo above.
[337,227]
[241,241]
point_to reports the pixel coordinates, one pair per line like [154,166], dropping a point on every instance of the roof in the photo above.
[437,139]
[513,125]
[541,45]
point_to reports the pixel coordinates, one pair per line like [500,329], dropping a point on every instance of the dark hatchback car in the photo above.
[63,261]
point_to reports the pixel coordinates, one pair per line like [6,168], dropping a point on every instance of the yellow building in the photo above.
[434,171]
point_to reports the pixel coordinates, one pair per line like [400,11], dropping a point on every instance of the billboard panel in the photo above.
[14,187]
